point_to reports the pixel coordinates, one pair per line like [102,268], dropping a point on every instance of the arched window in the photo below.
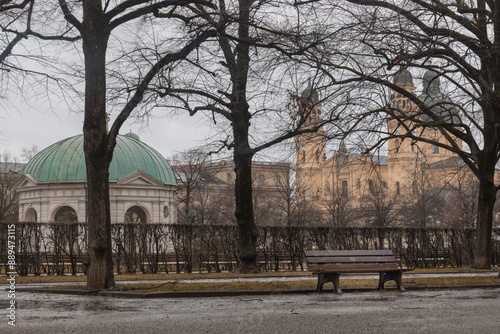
[66,214]
[31,216]
[135,215]
[134,232]
[65,236]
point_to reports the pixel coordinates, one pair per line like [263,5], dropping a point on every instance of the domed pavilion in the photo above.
[52,186]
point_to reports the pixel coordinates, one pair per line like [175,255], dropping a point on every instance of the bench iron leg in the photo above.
[330,277]
[391,276]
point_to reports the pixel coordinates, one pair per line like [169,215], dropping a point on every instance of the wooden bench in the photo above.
[329,264]
[432,259]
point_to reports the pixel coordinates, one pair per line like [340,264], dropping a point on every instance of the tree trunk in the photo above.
[243,154]
[97,154]
[486,203]
[247,230]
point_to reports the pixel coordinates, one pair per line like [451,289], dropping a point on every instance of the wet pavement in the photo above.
[439,311]
[272,278]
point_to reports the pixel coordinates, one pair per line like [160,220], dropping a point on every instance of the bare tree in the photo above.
[9,174]
[26,64]
[240,82]
[456,45]
[422,201]
[460,208]
[97,23]
[381,208]
[13,11]
[28,153]
[190,170]
[339,212]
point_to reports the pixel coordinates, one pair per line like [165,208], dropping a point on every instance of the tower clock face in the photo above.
[302,144]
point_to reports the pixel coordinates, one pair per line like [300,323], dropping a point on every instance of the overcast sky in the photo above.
[23,126]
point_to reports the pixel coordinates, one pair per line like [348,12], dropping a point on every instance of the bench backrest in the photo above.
[351,260]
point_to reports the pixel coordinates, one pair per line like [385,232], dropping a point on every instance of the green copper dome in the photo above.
[64,162]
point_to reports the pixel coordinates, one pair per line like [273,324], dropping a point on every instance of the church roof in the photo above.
[64,162]
[452,162]
[310,94]
[439,103]
[379,160]
[403,77]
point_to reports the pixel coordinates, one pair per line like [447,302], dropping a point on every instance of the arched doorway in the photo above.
[65,234]
[135,215]
[66,214]
[31,216]
[135,235]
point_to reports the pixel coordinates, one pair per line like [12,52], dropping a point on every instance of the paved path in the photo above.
[270,278]
[442,311]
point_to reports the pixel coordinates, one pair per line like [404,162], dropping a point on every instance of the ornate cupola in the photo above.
[310,113]
[310,147]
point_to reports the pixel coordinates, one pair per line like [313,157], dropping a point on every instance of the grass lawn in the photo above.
[175,281]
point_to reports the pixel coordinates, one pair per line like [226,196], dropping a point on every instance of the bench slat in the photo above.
[350,259]
[362,252]
[353,267]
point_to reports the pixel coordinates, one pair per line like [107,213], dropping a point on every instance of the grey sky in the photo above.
[27,126]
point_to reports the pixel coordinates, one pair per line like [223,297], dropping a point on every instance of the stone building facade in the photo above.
[412,172]
[52,186]
[206,192]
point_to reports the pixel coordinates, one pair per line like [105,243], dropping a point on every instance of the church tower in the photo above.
[408,158]
[310,148]
[403,107]
[403,152]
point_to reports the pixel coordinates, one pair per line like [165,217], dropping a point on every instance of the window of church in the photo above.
[435,148]
[345,191]
[315,196]
[261,180]
[398,190]
[278,180]
[370,186]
